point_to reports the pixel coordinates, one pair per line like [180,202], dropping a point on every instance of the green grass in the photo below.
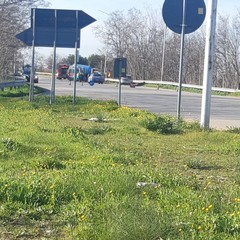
[63,176]
[192,90]
[19,92]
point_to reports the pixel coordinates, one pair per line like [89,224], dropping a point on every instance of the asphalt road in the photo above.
[225,111]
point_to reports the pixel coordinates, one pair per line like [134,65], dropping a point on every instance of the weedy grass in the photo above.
[193,90]
[94,170]
[20,91]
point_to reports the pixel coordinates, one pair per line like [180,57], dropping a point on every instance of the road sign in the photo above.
[120,67]
[65,18]
[91,83]
[68,25]
[43,18]
[45,37]
[195,13]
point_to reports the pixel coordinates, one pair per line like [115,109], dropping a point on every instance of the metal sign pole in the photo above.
[52,92]
[119,83]
[163,51]
[163,54]
[31,88]
[105,65]
[75,60]
[181,60]
[208,63]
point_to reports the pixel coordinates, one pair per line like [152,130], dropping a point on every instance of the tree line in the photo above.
[153,51]
[14,17]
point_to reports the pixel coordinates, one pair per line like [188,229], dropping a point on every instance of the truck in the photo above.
[62,71]
[83,72]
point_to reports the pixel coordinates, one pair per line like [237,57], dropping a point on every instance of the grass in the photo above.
[192,90]
[19,92]
[63,176]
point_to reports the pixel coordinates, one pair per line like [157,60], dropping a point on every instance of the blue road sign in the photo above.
[120,67]
[68,25]
[65,18]
[44,18]
[91,83]
[172,12]
[44,37]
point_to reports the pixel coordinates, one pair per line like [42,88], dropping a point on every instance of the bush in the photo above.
[163,125]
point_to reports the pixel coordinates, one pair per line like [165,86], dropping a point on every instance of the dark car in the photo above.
[27,73]
[27,77]
[126,80]
[96,77]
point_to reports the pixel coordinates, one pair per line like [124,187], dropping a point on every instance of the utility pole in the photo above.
[32,73]
[208,63]
[181,60]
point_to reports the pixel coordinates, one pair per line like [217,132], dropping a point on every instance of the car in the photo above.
[96,77]
[36,79]
[27,77]
[126,80]
[26,73]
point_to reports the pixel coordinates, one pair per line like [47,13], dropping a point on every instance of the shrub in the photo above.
[9,144]
[163,125]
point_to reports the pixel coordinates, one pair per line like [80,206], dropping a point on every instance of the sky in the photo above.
[100,10]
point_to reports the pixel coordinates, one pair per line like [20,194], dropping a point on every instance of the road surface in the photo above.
[225,111]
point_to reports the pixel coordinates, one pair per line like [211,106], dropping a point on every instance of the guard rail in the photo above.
[12,84]
[228,90]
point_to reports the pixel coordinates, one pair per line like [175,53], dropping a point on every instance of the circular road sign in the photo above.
[91,83]
[172,12]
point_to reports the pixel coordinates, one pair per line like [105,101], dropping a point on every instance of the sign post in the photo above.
[208,63]
[119,81]
[54,28]
[120,70]
[181,60]
[75,59]
[183,17]
[31,88]
[52,91]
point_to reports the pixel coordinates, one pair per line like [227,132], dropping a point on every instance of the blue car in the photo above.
[96,77]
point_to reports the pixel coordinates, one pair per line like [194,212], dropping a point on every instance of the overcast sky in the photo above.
[99,10]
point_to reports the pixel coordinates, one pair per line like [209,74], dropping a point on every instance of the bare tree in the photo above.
[14,17]
[114,33]
[194,57]
[140,37]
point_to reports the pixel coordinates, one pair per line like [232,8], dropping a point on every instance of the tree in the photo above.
[137,37]
[70,59]
[83,60]
[140,38]
[96,61]
[115,33]
[14,16]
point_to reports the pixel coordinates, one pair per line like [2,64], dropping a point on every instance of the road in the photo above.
[225,111]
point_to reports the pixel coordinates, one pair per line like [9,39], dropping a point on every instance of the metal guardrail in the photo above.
[13,84]
[44,73]
[229,90]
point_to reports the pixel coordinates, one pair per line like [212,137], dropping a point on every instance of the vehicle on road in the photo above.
[36,78]
[82,72]
[62,71]
[96,77]
[126,80]
[27,73]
